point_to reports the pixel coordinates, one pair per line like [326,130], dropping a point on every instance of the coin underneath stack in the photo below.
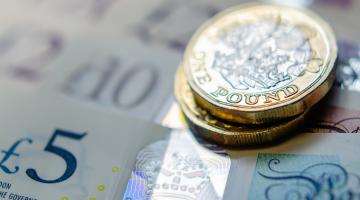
[251,73]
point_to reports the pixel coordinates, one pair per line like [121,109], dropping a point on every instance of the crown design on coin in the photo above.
[183,176]
[262,55]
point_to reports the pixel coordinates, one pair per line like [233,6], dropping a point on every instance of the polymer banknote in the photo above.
[54,149]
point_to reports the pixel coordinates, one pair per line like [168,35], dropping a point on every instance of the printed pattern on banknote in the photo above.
[289,176]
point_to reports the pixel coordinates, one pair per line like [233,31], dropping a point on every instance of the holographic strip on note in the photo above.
[178,168]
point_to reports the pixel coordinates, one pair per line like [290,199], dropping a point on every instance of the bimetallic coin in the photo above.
[232,134]
[260,63]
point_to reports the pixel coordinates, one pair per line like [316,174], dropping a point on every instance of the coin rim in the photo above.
[232,138]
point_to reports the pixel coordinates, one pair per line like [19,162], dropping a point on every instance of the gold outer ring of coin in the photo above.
[309,94]
[224,133]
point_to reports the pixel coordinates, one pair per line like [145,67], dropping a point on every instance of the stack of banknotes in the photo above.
[88,110]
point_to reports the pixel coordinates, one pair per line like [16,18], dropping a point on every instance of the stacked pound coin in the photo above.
[251,73]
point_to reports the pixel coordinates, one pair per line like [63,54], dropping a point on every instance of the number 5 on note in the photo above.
[67,156]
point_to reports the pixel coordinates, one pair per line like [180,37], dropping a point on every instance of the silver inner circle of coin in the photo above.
[261,56]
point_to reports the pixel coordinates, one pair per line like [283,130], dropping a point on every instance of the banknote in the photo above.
[54,149]
[101,70]
[122,76]
[309,166]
